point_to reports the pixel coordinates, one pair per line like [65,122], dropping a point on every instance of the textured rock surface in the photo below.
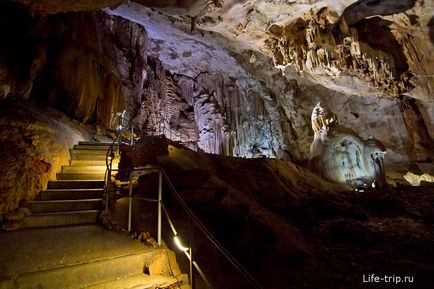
[55,6]
[340,155]
[242,102]
[226,95]
[290,228]
[82,63]
[36,142]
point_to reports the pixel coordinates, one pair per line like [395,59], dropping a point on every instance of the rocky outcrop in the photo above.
[287,226]
[205,92]
[82,63]
[92,65]
[340,155]
[35,143]
[326,45]
[53,7]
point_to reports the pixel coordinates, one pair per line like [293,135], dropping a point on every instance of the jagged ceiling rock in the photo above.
[218,86]
[362,47]
[60,6]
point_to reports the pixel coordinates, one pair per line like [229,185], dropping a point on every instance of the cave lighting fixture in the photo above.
[179,243]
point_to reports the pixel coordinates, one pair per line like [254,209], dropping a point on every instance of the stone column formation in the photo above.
[340,155]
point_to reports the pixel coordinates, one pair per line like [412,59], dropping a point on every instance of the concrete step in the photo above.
[94,147]
[93,157]
[69,257]
[81,176]
[94,143]
[65,205]
[87,152]
[83,169]
[141,281]
[56,219]
[70,194]
[76,184]
[89,162]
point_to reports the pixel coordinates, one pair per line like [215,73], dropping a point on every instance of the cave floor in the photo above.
[41,249]
[74,257]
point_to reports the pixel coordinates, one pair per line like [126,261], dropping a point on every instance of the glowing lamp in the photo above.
[179,244]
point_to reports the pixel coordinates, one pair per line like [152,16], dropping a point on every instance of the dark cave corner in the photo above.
[306,148]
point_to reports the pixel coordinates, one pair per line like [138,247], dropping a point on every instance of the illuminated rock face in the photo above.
[340,155]
[35,141]
[223,97]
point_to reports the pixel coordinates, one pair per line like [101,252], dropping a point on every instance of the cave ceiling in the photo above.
[366,47]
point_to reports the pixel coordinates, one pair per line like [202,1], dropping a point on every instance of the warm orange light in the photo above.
[179,244]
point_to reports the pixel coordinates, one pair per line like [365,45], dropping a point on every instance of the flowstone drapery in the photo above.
[340,155]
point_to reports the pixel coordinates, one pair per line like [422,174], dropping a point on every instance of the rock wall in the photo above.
[243,106]
[35,142]
[209,93]
[84,63]
[340,155]
[382,43]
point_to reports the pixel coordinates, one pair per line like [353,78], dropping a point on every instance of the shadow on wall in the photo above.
[431,29]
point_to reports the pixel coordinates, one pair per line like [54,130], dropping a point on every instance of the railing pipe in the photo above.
[130,202]
[216,244]
[172,227]
[191,253]
[192,219]
[160,200]
[132,135]
[202,275]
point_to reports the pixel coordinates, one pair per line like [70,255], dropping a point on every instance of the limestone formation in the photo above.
[340,155]
[226,97]
[323,44]
[35,141]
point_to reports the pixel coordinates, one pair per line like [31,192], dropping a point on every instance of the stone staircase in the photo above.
[50,253]
[75,198]
[75,257]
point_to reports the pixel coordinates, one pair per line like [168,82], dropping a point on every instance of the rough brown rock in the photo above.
[36,141]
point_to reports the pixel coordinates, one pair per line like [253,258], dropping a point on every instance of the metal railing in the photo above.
[135,173]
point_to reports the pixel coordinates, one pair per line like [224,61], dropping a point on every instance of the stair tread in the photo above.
[93,147]
[76,181]
[88,151]
[132,282]
[65,213]
[80,176]
[73,190]
[82,172]
[51,248]
[94,143]
[63,201]
[88,157]
[85,181]
[83,169]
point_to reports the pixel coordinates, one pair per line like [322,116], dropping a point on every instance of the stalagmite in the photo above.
[340,155]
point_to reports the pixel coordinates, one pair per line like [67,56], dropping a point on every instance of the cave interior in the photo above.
[277,144]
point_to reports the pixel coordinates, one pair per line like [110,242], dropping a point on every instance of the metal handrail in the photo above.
[210,237]
[161,209]
[111,154]
[192,217]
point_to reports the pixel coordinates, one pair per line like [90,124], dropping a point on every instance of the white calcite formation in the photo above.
[340,155]
[244,81]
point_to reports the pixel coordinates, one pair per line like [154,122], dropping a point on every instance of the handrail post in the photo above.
[130,202]
[191,253]
[160,197]
[108,187]
[132,135]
